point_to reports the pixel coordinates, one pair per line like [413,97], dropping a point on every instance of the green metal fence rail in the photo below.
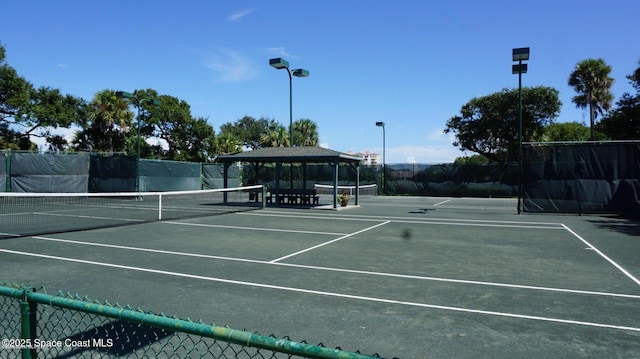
[64,326]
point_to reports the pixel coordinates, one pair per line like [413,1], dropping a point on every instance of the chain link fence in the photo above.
[39,325]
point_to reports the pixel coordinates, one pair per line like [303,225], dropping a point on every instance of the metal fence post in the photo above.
[28,324]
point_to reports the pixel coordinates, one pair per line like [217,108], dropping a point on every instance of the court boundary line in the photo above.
[343,270]
[611,261]
[334,294]
[439,203]
[327,243]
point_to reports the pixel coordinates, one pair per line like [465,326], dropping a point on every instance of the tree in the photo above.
[248,130]
[489,125]
[171,122]
[14,90]
[591,81]
[305,133]
[471,160]
[276,137]
[623,123]
[226,144]
[569,131]
[107,125]
[26,111]
[48,109]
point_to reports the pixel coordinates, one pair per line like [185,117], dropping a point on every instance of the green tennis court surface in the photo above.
[402,277]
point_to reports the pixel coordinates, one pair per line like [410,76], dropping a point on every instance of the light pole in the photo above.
[280,63]
[138,103]
[384,164]
[520,54]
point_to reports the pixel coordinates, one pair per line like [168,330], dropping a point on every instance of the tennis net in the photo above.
[364,190]
[28,214]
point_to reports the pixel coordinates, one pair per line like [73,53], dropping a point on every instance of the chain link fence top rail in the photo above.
[40,325]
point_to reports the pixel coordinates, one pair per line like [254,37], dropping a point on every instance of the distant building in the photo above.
[368,158]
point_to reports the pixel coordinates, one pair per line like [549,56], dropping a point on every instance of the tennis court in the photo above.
[407,277]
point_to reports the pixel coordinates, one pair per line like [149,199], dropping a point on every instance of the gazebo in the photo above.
[302,155]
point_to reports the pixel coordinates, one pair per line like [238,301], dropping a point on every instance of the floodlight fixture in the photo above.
[521,54]
[279,63]
[300,73]
[519,69]
[123,94]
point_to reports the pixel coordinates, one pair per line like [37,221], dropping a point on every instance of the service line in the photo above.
[332,294]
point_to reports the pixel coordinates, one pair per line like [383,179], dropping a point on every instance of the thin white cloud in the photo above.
[240,14]
[281,51]
[231,66]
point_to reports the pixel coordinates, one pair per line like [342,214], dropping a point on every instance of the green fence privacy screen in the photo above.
[582,177]
[112,173]
[213,176]
[156,175]
[106,173]
[38,325]
[54,172]
[4,170]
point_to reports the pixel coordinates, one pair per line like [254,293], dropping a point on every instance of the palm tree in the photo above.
[305,133]
[591,81]
[226,144]
[111,117]
[277,137]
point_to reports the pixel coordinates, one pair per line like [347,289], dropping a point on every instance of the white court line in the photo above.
[332,294]
[251,228]
[326,243]
[367,218]
[624,271]
[439,203]
[445,221]
[339,270]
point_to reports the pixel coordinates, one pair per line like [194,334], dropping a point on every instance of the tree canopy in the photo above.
[489,126]
[26,111]
[623,123]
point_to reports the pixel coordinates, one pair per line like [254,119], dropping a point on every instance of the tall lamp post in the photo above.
[138,103]
[384,164]
[520,54]
[280,63]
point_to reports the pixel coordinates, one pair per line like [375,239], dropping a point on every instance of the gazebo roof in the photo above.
[291,154]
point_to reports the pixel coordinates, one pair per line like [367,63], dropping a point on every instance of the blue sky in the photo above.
[411,64]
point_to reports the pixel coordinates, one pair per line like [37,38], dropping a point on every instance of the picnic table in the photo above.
[294,196]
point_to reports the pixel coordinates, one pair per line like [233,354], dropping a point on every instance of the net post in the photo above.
[160,207]
[264,195]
